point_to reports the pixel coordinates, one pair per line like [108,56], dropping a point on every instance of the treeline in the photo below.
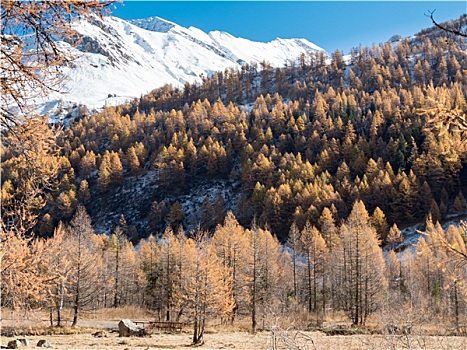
[239,273]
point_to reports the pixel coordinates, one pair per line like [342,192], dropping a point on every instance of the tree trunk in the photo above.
[78,282]
[195,331]
[324,291]
[357,283]
[315,286]
[253,303]
[234,294]
[456,305]
[60,305]
[75,312]
[59,317]
[179,314]
[198,330]
[116,275]
[51,317]
[310,302]
[294,263]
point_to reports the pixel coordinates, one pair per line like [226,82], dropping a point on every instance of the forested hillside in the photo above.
[276,146]
[329,155]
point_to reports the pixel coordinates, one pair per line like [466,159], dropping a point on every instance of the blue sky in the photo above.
[329,24]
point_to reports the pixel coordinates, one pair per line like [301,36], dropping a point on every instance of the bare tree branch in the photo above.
[453,31]
[30,59]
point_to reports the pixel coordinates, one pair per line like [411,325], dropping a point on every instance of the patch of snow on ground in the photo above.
[413,233]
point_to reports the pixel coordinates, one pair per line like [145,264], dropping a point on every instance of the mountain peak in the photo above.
[121,59]
[154,24]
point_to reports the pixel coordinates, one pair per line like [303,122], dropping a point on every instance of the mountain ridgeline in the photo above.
[117,60]
[278,146]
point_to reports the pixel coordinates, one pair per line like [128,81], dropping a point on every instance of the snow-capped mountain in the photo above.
[124,59]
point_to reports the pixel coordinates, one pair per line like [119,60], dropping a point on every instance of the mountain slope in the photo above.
[118,59]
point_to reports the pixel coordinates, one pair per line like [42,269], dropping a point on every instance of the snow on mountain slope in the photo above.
[119,60]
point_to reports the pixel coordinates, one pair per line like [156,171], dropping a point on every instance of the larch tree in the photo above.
[456,273]
[129,276]
[328,228]
[22,279]
[30,166]
[175,217]
[104,173]
[150,261]
[110,170]
[87,164]
[133,161]
[393,270]
[206,214]
[169,275]
[454,248]
[117,243]
[204,290]
[331,236]
[83,193]
[362,265]
[431,262]
[460,204]
[424,264]
[434,211]
[251,272]
[315,252]
[260,271]
[86,263]
[441,261]
[59,269]
[229,244]
[379,222]
[218,210]
[394,236]
[116,168]
[293,242]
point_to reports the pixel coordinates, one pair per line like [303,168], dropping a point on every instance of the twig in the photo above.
[453,31]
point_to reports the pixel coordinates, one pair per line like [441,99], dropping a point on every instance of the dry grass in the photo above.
[133,313]
[247,341]
[41,318]
[279,333]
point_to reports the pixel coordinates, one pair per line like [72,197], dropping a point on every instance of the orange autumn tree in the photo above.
[23,283]
[361,266]
[261,272]
[315,252]
[204,290]
[86,263]
[229,244]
